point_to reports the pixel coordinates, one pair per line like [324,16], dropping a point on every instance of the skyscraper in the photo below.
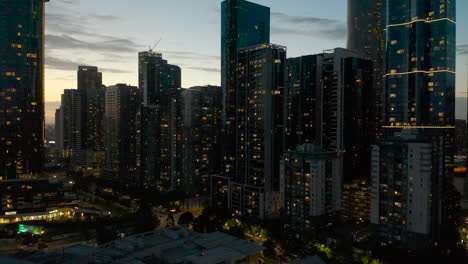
[344,126]
[420,48]
[123,105]
[261,80]
[366,35]
[411,165]
[202,132]
[156,76]
[156,79]
[69,130]
[92,99]
[302,101]
[21,88]
[243,24]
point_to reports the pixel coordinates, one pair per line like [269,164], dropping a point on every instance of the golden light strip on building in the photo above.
[426,72]
[421,20]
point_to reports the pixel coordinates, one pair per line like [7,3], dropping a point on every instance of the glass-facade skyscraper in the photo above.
[21,88]
[366,35]
[243,24]
[420,51]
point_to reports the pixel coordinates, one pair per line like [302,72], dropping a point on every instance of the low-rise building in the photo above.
[176,245]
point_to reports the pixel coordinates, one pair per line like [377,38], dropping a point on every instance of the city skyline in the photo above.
[77,34]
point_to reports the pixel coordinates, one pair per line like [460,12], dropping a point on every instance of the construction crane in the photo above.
[155,45]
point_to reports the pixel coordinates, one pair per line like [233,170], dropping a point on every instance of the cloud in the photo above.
[308,26]
[66,42]
[68,65]
[205,69]
[191,55]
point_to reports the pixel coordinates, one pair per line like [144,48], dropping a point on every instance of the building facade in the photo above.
[259,129]
[159,86]
[21,88]
[366,35]
[68,125]
[89,83]
[420,48]
[123,105]
[407,174]
[202,135]
[302,115]
[243,24]
[309,186]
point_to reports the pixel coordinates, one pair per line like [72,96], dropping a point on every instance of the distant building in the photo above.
[123,105]
[167,246]
[407,171]
[243,24]
[155,76]
[21,88]
[89,83]
[310,180]
[68,126]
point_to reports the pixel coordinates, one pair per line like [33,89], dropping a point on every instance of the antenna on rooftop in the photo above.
[155,45]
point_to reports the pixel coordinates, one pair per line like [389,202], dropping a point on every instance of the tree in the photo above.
[186,218]
[144,218]
[269,251]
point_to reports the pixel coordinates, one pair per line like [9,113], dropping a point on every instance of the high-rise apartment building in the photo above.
[243,24]
[411,164]
[21,88]
[68,125]
[123,105]
[159,83]
[302,119]
[261,80]
[202,135]
[89,83]
[310,190]
[366,35]
[156,76]
[407,175]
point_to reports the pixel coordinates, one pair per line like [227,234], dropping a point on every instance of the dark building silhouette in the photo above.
[159,83]
[156,76]
[123,104]
[243,24]
[68,126]
[302,101]
[21,88]
[93,101]
[366,35]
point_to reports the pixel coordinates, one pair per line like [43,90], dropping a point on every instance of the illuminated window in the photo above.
[393,95]
[400,51]
[394,42]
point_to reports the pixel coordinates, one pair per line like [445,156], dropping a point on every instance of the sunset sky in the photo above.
[109,34]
